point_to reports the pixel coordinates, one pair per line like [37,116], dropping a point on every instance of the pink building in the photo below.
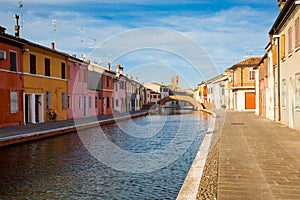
[120,91]
[154,97]
[77,88]
[93,103]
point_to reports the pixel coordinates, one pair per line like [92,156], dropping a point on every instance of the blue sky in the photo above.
[159,36]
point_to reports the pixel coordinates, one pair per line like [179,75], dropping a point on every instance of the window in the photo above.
[64,100]
[121,85]
[79,74]
[107,81]
[117,102]
[80,102]
[297,42]
[290,48]
[297,91]
[14,102]
[90,102]
[85,75]
[48,100]
[47,67]
[123,102]
[13,61]
[69,100]
[282,46]
[283,93]
[103,79]
[116,87]
[32,59]
[96,102]
[251,75]
[63,70]
[107,102]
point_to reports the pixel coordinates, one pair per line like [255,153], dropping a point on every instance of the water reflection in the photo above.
[61,167]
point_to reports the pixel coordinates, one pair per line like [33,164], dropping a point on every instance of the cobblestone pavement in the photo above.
[258,159]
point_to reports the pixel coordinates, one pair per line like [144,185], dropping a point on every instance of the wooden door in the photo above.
[249,100]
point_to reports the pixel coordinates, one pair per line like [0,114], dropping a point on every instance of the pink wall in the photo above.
[77,89]
[93,98]
[120,95]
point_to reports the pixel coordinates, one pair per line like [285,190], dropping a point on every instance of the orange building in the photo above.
[241,85]
[45,82]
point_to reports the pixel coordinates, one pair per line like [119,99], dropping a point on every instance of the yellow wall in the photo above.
[39,83]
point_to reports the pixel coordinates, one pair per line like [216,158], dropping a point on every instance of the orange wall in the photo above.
[39,83]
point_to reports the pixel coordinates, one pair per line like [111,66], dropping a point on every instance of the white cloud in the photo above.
[225,35]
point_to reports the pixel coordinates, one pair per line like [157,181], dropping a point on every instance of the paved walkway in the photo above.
[7,133]
[259,159]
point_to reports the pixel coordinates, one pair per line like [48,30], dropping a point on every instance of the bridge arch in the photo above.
[189,99]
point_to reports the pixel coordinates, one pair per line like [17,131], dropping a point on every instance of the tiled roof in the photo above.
[248,62]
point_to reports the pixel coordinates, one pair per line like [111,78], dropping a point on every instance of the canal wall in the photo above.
[190,187]
[32,134]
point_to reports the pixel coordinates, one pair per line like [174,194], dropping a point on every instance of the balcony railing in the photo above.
[243,84]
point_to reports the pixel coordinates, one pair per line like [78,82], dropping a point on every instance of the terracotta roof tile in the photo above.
[248,62]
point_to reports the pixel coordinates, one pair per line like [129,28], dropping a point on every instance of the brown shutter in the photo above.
[282,46]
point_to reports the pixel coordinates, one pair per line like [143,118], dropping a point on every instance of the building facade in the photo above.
[45,82]
[286,45]
[241,85]
[11,84]
[120,91]
[77,88]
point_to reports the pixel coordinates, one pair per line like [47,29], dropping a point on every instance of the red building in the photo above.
[107,92]
[11,86]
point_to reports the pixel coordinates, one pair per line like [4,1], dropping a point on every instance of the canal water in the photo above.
[62,167]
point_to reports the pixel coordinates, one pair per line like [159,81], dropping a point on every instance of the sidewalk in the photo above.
[23,133]
[258,159]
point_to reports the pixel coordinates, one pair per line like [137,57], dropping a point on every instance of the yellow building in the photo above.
[45,83]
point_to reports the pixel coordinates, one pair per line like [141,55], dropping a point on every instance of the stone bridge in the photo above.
[189,99]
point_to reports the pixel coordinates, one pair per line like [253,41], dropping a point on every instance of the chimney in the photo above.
[108,66]
[53,46]
[121,69]
[2,30]
[17,27]
[281,4]
[118,68]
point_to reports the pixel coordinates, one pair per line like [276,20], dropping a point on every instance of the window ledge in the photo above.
[290,54]
[297,49]
[297,109]
[283,59]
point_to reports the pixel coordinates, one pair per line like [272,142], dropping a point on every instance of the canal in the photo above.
[67,167]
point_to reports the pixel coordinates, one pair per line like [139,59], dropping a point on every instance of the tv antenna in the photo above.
[54,30]
[20,5]
[81,39]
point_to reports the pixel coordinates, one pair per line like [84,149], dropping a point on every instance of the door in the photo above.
[249,100]
[291,103]
[37,114]
[104,106]
[26,107]
[260,103]
[235,101]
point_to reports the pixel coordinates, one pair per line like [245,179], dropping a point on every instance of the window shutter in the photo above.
[282,46]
